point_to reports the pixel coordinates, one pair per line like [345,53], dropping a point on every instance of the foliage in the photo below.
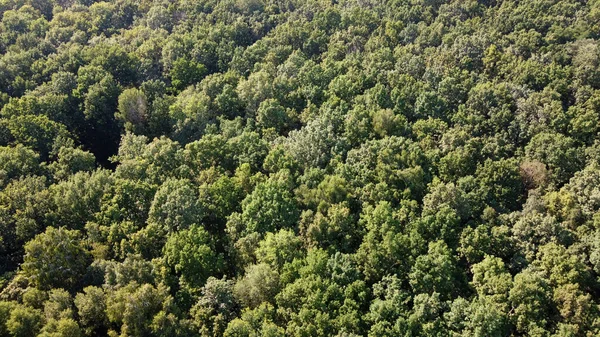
[56,258]
[299,168]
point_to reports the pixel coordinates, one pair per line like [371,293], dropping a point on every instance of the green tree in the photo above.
[255,322]
[185,72]
[220,198]
[191,113]
[24,321]
[5,310]
[336,230]
[59,305]
[175,206]
[259,284]
[435,272]
[530,298]
[490,278]
[215,308]
[37,132]
[271,206]
[17,161]
[70,161]
[501,184]
[559,153]
[132,110]
[152,162]
[192,255]
[279,248]
[65,327]
[56,258]
[271,114]
[386,169]
[117,203]
[312,145]
[209,151]
[78,199]
[99,106]
[24,208]
[384,246]
[123,309]
[91,309]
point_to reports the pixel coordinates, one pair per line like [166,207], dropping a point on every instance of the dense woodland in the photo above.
[300,168]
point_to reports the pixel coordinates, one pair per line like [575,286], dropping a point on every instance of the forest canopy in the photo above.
[245,168]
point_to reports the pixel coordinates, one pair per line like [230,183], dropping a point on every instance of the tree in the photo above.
[254,90]
[280,248]
[5,310]
[37,132]
[425,317]
[78,199]
[532,231]
[17,161]
[383,245]
[271,114]
[153,161]
[490,278]
[134,268]
[312,145]
[191,114]
[132,110]
[584,189]
[216,307]
[158,17]
[248,148]
[91,309]
[386,123]
[70,161]
[500,183]
[99,106]
[59,328]
[435,272]
[575,308]
[530,298]
[191,254]
[333,189]
[185,72]
[559,267]
[481,317]
[335,230]
[123,309]
[24,321]
[56,259]
[59,305]
[271,206]
[209,151]
[255,322]
[220,198]
[388,307]
[259,284]
[279,159]
[586,63]
[24,208]
[476,243]
[113,58]
[392,165]
[558,152]
[488,108]
[175,206]
[127,200]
